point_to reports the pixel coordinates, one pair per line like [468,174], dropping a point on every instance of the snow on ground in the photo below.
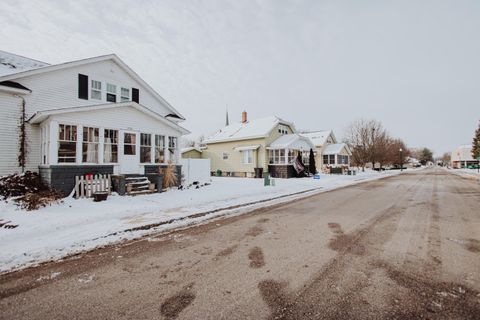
[78,225]
[473,173]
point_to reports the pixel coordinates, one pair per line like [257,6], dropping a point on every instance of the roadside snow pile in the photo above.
[27,190]
[73,226]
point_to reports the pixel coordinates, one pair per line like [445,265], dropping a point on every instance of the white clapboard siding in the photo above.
[9,133]
[59,89]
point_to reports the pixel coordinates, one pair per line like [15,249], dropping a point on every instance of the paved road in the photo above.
[403,247]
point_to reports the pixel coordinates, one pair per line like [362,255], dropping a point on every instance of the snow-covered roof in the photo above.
[319,138]
[41,116]
[11,63]
[257,128]
[183,150]
[292,141]
[335,148]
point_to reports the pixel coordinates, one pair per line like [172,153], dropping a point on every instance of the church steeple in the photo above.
[227,123]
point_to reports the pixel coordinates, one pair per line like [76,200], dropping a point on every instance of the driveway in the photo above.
[403,247]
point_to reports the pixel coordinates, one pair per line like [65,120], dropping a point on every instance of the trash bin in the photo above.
[258,172]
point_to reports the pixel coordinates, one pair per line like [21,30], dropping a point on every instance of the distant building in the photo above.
[462,157]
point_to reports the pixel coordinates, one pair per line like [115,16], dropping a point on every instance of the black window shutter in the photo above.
[135,95]
[82,86]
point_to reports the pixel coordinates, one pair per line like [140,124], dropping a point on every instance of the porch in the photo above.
[283,153]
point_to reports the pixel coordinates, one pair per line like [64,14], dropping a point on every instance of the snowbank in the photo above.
[78,225]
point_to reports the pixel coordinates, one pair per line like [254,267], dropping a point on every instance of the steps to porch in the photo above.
[137,185]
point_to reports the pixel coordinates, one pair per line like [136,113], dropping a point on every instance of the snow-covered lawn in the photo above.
[472,173]
[77,225]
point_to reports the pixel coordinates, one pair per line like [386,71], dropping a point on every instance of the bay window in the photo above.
[67,143]
[90,145]
[110,149]
[145,148]
[159,148]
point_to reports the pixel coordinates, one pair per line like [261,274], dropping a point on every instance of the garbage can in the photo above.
[258,172]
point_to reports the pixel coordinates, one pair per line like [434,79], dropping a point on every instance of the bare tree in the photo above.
[368,141]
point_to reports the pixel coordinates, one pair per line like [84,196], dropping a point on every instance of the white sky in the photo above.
[414,65]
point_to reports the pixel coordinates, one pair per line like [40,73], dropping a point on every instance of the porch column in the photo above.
[152,149]
[101,144]
[53,143]
[79,144]
[166,151]
[286,156]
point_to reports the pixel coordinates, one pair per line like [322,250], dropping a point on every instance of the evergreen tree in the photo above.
[311,163]
[476,143]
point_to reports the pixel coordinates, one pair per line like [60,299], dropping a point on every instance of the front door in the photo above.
[130,159]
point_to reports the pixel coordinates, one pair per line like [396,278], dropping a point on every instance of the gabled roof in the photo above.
[292,141]
[257,128]
[47,68]
[319,138]
[335,148]
[41,116]
[13,63]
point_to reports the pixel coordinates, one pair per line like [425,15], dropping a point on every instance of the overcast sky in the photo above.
[413,65]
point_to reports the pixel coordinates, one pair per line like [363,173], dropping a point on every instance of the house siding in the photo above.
[192,154]
[10,112]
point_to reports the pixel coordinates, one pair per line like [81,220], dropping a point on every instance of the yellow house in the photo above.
[191,153]
[264,145]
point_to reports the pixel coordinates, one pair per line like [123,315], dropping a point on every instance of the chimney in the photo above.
[244,116]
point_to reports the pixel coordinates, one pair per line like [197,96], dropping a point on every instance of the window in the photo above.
[332,159]
[110,150]
[325,159]
[111,92]
[67,143]
[172,145]
[159,148]
[342,159]
[124,94]
[305,157]
[129,144]
[291,156]
[247,156]
[282,129]
[96,90]
[225,156]
[276,156]
[145,148]
[90,145]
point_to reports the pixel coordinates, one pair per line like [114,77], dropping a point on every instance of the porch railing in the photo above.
[87,185]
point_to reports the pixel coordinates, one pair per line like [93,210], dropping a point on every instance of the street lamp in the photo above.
[401,159]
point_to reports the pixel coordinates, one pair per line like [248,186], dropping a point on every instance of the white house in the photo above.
[461,157]
[94,115]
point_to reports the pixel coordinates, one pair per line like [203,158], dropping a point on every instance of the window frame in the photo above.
[86,141]
[134,144]
[72,134]
[125,98]
[247,156]
[143,146]
[159,147]
[93,89]
[114,154]
[111,93]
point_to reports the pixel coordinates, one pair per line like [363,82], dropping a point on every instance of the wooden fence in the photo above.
[86,186]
